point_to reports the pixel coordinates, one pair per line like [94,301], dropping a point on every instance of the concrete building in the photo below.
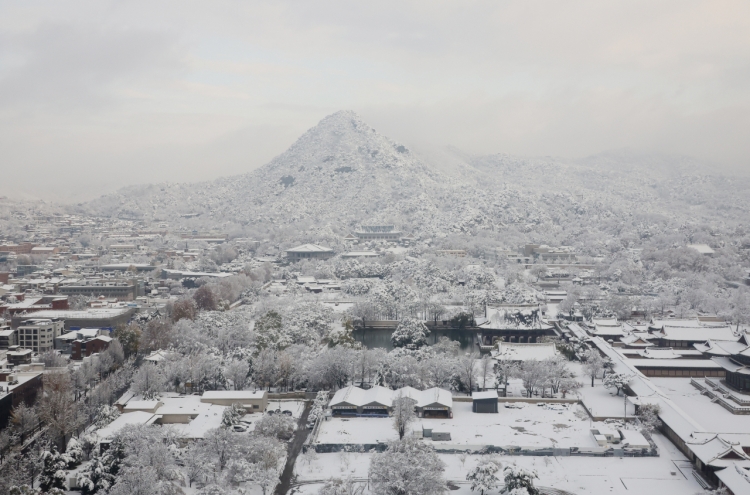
[122,290]
[39,334]
[107,318]
[251,401]
[17,356]
[7,337]
[16,388]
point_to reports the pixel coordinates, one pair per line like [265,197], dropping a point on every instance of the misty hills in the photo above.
[342,173]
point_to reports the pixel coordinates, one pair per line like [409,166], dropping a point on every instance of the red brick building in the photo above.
[84,348]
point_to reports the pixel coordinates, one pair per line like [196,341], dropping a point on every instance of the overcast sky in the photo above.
[94,95]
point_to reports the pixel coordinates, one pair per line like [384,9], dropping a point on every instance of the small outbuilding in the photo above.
[484,402]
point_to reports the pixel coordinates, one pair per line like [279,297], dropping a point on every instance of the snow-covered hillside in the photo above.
[342,173]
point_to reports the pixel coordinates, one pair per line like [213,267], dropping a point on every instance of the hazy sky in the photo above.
[98,94]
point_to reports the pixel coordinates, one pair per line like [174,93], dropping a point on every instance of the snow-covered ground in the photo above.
[522,425]
[601,402]
[668,474]
[295,406]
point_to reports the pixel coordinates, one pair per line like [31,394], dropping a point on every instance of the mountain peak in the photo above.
[341,122]
[343,141]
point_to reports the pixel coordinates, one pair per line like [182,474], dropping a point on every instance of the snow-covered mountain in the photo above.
[342,173]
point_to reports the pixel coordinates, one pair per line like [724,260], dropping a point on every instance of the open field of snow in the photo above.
[601,402]
[577,475]
[523,425]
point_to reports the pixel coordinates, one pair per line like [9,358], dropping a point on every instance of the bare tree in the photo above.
[205,299]
[593,364]
[184,309]
[466,368]
[158,334]
[485,370]
[24,419]
[57,409]
[367,363]
[195,464]
[403,414]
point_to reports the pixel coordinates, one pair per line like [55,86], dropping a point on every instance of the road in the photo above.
[295,447]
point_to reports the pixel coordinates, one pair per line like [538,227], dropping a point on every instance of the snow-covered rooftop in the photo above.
[309,248]
[511,351]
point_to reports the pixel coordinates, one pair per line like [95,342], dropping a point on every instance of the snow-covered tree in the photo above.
[439,369]
[403,414]
[53,470]
[318,408]
[278,426]
[149,381]
[408,466]
[505,370]
[532,374]
[648,416]
[484,476]
[568,384]
[338,486]
[265,368]
[269,331]
[74,453]
[519,481]
[105,415]
[410,332]
[194,463]
[232,415]
[265,478]
[99,474]
[618,381]
[237,371]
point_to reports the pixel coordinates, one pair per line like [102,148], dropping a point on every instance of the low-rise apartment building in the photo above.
[39,334]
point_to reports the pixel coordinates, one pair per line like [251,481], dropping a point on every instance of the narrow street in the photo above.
[295,447]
